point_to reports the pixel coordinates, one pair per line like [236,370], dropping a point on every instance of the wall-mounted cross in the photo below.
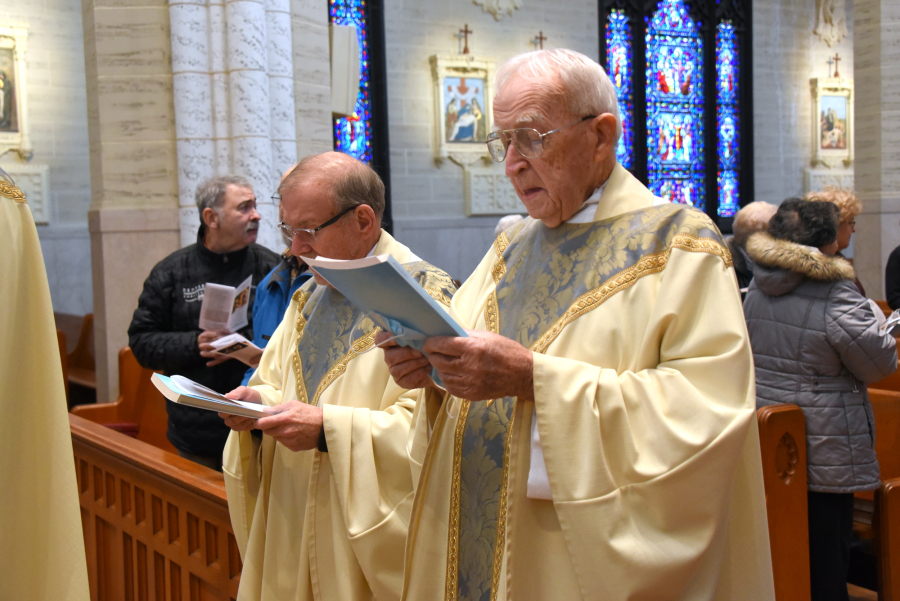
[538,41]
[837,59]
[465,32]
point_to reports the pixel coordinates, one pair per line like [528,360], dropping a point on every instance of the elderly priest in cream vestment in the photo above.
[599,436]
[320,505]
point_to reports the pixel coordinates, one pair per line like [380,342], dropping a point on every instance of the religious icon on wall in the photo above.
[14,130]
[8,115]
[462,94]
[833,122]
[832,126]
[464,116]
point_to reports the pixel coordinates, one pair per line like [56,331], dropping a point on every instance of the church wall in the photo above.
[427,200]
[58,115]
[786,55]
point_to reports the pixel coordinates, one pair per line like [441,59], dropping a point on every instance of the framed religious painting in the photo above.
[832,122]
[463,95]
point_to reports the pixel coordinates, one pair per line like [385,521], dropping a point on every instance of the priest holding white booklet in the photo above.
[320,503]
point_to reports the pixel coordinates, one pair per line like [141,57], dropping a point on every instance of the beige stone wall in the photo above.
[58,116]
[312,76]
[877,68]
[134,210]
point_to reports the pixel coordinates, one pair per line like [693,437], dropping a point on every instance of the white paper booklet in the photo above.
[237,347]
[224,308]
[184,391]
[892,323]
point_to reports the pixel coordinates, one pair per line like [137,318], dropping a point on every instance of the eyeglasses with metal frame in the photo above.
[308,236]
[529,142]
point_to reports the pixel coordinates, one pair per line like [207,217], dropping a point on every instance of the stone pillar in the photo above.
[234,100]
[876,62]
[133,218]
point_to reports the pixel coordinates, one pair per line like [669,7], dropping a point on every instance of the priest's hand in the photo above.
[409,368]
[204,342]
[483,366]
[239,423]
[294,424]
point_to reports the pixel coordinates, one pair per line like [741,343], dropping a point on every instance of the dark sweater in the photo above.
[164,330]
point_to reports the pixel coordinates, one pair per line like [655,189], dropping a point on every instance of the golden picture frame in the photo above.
[832,122]
[463,97]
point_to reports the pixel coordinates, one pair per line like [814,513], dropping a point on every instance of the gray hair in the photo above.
[751,219]
[211,193]
[585,87]
[352,182]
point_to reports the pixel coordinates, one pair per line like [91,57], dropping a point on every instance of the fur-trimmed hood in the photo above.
[781,266]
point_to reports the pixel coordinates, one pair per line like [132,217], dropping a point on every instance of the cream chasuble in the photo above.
[644,394]
[328,526]
[42,552]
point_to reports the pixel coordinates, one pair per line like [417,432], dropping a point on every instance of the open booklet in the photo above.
[184,391]
[237,347]
[382,288]
[224,308]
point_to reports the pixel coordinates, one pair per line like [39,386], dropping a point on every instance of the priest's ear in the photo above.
[605,126]
[210,218]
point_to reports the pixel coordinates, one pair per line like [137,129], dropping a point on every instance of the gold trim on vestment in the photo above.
[648,265]
[451,588]
[10,191]
[361,346]
[299,383]
[500,540]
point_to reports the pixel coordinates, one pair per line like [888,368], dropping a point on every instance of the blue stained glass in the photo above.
[727,119]
[619,67]
[353,134]
[675,159]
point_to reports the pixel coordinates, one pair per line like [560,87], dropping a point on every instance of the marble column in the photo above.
[876,62]
[234,103]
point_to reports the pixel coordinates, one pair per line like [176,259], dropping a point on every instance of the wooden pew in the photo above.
[82,369]
[140,409]
[782,439]
[156,526]
[884,520]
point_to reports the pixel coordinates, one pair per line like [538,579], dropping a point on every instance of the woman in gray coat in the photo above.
[815,344]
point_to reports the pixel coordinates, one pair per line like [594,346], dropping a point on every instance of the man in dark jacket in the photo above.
[165,332]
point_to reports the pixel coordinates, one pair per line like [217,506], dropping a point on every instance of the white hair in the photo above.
[586,89]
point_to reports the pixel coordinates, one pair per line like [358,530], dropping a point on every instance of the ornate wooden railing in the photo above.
[156,526]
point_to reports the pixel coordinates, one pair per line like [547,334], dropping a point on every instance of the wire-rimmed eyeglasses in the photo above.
[529,142]
[308,236]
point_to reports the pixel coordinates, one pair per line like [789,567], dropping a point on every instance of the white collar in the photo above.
[585,214]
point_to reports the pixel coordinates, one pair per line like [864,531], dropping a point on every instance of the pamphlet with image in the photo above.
[224,308]
[237,347]
[892,324]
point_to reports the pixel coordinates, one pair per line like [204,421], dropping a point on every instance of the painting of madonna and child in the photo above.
[833,122]
[464,118]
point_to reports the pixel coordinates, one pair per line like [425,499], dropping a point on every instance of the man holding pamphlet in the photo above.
[320,503]
[197,295]
[597,438]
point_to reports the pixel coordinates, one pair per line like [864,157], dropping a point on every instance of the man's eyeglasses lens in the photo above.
[528,143]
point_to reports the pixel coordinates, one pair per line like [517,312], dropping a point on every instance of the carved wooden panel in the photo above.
[156,526]
[782,441]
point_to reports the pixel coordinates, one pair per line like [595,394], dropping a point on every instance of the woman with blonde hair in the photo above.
[850,207]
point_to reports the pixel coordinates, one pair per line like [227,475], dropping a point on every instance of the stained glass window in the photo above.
[353,134]
[675,159]
[619,60]
[727,124]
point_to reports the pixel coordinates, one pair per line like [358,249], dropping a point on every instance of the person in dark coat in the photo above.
[165,331]
[816,343]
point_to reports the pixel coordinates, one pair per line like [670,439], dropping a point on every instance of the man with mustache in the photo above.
[165,330]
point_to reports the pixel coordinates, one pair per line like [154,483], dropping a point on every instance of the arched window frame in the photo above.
[707,14]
